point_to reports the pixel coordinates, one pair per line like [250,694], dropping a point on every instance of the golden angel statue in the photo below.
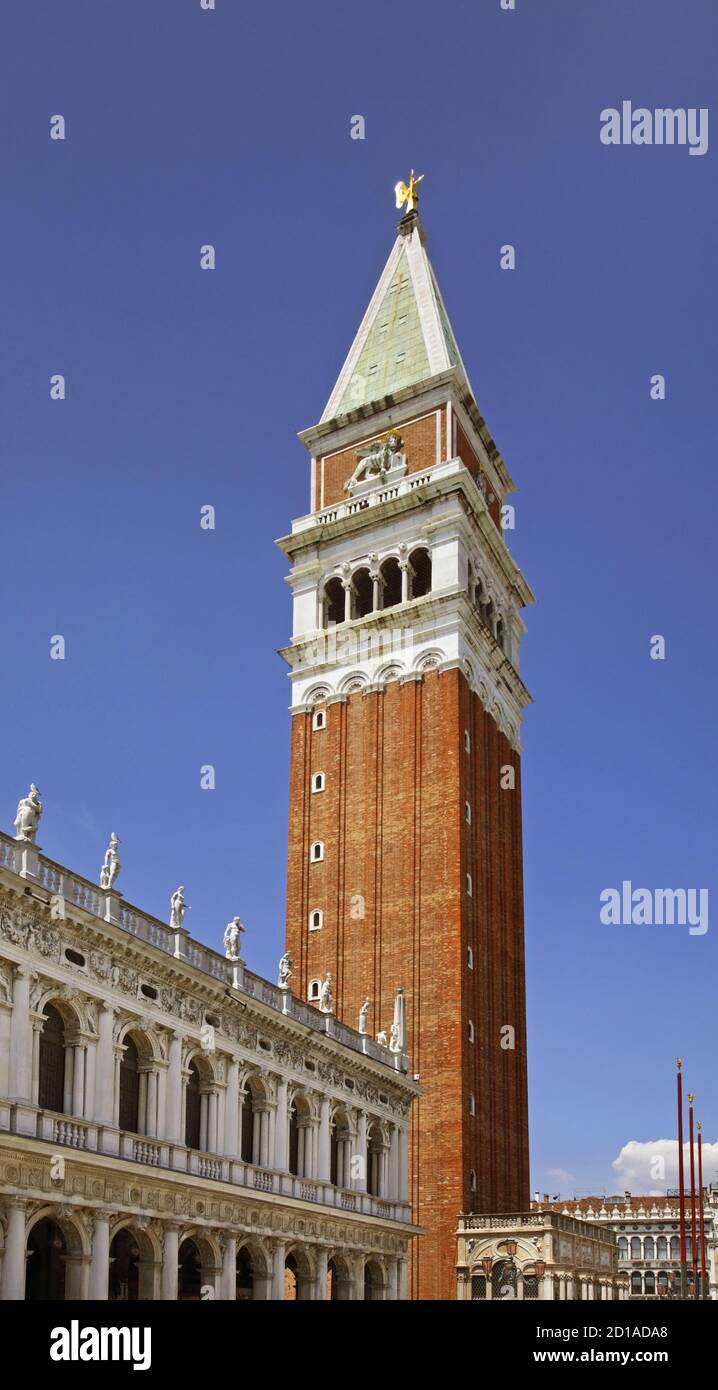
[408,192]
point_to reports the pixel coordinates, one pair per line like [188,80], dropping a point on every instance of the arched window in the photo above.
[662,1248]
[636,1252]
[636,1282]
[318,783]
[316,918]
[316,853]
[649,1282]
[319,720]
[246,1148]
[294,1141]
[420,561]
[334,602]
[622,1248]
[363,597]
[314,990]
[391,577]
[51,1093]
[376,1157]
[192,1129]
[130,1087]
[649,1248]
[675,1248]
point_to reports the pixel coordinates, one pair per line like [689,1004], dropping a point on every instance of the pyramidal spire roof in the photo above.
[405,336]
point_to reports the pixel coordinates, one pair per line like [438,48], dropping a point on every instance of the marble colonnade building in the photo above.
[172,1126]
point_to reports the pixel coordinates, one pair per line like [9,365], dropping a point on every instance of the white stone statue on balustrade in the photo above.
[27,816]
[111,865]
[398,1035]
[233,939]
[285,971]
[364,1018]
[382,1038]
[326,1003]
[178,907]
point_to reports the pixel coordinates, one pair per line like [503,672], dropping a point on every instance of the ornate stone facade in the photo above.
[536,1255]
[173,1126]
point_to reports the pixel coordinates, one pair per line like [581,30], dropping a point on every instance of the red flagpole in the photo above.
[681,1179]
[694,1237]
[704,1292]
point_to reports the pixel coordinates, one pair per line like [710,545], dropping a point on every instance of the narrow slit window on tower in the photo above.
[469,958]
[472,1104]
[318,782]
[316,853]
[314,990]
[469,886]
[316,918]
[467,741]
[472,1180]
[319,720]
[467,812]
[471,1031]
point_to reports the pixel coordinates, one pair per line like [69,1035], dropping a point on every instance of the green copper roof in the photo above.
[394,354]
[405,336]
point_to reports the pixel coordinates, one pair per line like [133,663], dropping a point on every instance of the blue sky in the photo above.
[185,387]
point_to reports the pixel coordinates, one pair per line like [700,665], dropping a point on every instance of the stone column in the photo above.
[231,1110]
[229,1269]
[103,1106]
[360,1182]
[347,600]
[403,1164]
[173,1116]
[324,1163]
[78,1080]
[13,1274]
[20,1036]
[401,1278]
[358,1278]
[118,1050]
[170,1265]
[281,1131]
[392,1191]
[320,1282]
[212,1122]
[278,1258]
[151,1111]
[392,1278]
[100,1266]
[404,567]
[37,1027]
[547,1286]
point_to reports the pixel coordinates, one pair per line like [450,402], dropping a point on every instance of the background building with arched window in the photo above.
[647,1229]
[258,1146]
[539,1254]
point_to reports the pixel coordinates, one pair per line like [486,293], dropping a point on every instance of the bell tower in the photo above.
[405,855]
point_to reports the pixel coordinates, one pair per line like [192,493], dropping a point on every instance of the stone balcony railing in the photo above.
[378,495]
[160,1154]
[63,884]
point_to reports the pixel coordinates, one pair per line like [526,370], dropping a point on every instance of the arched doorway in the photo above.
[297,1276]
[245,1275]
[246,1119]
[124,1281]
[189,1282]
[373,1282]
[338,1280]
[45,1267]
[51,1091]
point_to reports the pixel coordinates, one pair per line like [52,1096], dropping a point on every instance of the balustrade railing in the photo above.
[110,906]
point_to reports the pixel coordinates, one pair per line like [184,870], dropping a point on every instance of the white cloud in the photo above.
[560,1175]
[651,1166]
